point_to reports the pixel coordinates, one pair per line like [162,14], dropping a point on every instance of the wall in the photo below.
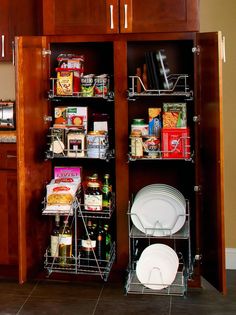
[215,15]
[7,83]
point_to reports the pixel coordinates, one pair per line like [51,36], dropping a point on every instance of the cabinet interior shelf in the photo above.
[180,87]
[79,265]
[52,95]
[177,288]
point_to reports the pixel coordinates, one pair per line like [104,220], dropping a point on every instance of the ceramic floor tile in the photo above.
[13,287]
[10,303]
[57,289]
[137,305]
[72,306]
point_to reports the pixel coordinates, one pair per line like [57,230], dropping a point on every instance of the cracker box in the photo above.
[175,143]
[154,121]
[64,84]
[174,115]
[77,117]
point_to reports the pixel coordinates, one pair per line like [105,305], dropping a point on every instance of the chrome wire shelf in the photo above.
[178,83]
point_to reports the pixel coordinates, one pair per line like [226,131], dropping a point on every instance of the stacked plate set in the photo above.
[158,210]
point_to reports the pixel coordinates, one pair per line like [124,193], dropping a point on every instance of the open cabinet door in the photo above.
[33,172]
[211,159]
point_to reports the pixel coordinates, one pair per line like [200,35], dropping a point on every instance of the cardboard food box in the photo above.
[64,84]
[174,115]
[175,143]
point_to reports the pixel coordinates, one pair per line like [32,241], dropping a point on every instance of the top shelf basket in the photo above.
[179,87]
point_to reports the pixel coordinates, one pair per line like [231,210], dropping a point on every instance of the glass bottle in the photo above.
[100,248]
[106,192]
[65,244]
[108,242]
[88,242]
[93,195]
[55,237]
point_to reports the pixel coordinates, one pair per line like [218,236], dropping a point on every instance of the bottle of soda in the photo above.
[106,192]
[108,242]
[65,244]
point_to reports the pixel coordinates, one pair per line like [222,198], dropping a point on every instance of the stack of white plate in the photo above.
[158,210]
[157,266]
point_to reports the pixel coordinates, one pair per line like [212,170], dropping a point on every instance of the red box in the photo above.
[175,143]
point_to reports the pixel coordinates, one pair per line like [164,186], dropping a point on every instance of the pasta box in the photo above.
[175,143]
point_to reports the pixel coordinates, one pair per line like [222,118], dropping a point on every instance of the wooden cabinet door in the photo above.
[138,16]
[32,79]
[4,31]
[8,201]
[9,222]
[17,18]
[211,159]
[80,17]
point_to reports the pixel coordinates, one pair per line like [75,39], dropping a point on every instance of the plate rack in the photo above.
[139,240]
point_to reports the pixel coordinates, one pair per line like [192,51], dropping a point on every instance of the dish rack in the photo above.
[139,240]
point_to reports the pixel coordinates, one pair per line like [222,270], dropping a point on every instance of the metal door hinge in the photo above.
[198,257]
[47,118]
[46,52]
[196,118]
[197,188]
[196,50]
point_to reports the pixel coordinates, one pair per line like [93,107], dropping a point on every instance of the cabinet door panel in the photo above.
[33,171]
[8,213]
[158,16]
[211,155]
[4,31]
[80,17]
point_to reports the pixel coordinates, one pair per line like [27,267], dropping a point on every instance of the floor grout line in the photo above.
[170,308]
[98,299]
[30,294]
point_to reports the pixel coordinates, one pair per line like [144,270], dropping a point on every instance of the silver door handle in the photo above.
[9,156]
[111,17]
[126,15]
[3,46]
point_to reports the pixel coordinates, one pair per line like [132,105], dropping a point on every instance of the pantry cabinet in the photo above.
[8,197]
[16,18]
[199,176]
[113,16]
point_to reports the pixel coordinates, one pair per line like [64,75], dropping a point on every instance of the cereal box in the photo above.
[174,115]
[64,83]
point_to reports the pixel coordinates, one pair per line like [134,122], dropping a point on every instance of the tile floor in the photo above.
[95,298]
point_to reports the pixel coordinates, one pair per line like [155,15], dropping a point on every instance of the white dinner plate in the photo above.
[156,271]
[157,248]
[160,190]
[157,214]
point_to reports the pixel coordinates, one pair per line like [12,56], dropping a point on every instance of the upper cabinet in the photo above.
[124,16]
[17,18]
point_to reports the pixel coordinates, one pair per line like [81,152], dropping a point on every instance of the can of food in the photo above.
[97,144]
[151,147]
[87,85]
[139,125]
[101,85]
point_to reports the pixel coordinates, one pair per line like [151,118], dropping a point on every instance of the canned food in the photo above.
[97,144]
[87,85]
[101,85]
[151,146]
